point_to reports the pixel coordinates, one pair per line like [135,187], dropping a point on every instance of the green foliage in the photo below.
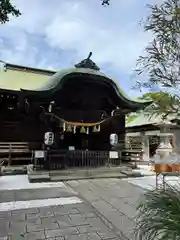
[159,215]
[162,58]
[163,103]
[6,9]
[131,117]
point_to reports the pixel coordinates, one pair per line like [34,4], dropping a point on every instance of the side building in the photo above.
[152,130]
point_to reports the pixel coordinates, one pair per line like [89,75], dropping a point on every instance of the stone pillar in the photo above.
[164,148]
[176,135]
[145,147]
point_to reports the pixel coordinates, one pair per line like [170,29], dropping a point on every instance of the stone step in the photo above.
[13,170]
[89,171]
[39,177]
[132,174]
[79,174]
[45,177]
[99,176]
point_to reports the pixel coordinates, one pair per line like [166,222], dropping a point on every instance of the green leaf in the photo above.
[159,215]
[6,9]
[161,60]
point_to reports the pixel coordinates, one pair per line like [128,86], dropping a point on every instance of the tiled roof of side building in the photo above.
[29,69]
[144,118]
[14,77]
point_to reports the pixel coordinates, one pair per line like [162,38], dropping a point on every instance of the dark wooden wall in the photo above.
[21,129]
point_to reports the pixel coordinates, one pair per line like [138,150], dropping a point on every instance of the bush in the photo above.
[159,215]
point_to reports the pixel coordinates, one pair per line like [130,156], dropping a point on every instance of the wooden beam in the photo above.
[148,133]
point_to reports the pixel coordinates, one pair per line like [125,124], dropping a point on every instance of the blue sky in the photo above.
[56,34]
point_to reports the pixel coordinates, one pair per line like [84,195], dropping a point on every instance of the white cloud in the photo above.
[113,33]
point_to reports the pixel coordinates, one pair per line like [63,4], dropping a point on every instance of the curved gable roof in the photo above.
[57,81]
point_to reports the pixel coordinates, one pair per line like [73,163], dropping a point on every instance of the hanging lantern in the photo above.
[64,127]
[87,131]
[113,139]
[82,130]
[94,129]
[69,129]
[99,128]
[49,138]
[74,129]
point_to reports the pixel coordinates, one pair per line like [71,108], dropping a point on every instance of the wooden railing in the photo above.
[21,153]
[15,151]
[60,159]
[13,147]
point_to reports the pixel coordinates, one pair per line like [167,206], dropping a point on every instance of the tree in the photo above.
[161,61]
[6,9]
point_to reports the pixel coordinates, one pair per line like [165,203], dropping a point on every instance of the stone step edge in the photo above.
[48,178]
[70,172]
[69,178]
[12,170]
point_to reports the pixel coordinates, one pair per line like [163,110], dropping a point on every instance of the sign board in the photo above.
[49,138]
[113,139]
[113,154]
[71,148]
[39,154]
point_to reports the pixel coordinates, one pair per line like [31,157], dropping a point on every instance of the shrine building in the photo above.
[81,106]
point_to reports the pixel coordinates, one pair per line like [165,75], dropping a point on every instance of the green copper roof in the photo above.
[57,81]
[37,82]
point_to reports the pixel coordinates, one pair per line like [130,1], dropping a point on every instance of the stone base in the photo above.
[13,170]
[132,174]
[79,174]
[44,177]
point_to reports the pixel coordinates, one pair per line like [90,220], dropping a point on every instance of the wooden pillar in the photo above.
[118,126]
[21,102]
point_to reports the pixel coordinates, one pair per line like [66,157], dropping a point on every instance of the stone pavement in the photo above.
[114,199]
[20,220]
[149,182]
[30,194]
[105,210]
[70,222]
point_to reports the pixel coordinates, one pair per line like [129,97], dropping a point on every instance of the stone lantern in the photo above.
[165,148]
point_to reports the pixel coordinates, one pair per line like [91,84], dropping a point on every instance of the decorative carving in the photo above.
[105,2]
[88,63]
